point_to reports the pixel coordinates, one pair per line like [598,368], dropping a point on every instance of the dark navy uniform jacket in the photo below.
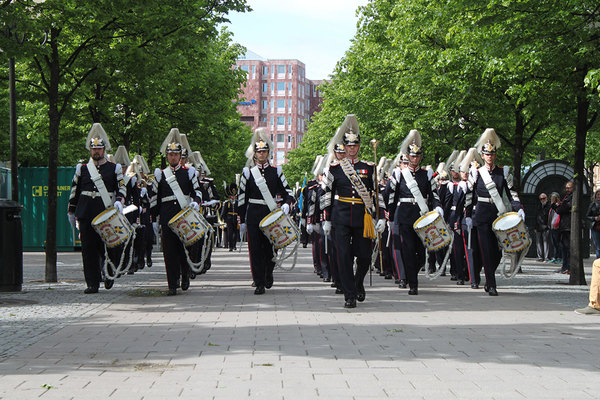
[249,197]
[229,212]
[458,196]
[88,207]
[485,212]
[407,212]
[163,203]
[338,185]
[311,202]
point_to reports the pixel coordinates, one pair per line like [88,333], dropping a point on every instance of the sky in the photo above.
[316,32]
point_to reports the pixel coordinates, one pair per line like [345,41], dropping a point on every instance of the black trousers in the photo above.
[459,256]
[396,253]
[316,251]
[232,234]
[92,253]
[489,252]
[413,252]
[350,243]
[332,258]
[175,258]
[324,260]
[261,256]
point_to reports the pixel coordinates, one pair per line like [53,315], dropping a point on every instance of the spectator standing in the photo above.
[542,230]
[593,214]
[553,223]
[563,208]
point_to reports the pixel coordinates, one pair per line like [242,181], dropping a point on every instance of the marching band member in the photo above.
[312,214]
[490,184]
[132,197]
[260,182]
[409,193]
[95,186]
[454,209]
[145,186]
[337,151]
[348,204]
[400,162]
[229,214]
[168,196]
[211,199]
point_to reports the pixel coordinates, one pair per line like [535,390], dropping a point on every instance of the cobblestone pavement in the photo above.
[218,340]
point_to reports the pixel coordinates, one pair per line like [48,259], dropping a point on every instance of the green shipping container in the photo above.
[33,195]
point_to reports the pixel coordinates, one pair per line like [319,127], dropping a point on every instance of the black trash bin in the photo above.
[11,247]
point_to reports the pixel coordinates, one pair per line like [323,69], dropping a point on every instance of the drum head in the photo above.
[507,221]
[269,219]
[104,216]
[426,219]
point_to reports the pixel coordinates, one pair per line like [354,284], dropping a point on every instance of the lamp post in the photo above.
[14,165]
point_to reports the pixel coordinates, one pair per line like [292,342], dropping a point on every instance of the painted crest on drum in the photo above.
[189,225]
[113,227]
[279,228]
[511,232]
[433,231]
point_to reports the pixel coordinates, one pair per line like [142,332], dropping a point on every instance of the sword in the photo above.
[470,263]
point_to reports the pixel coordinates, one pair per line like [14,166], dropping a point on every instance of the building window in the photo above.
[271,137]
[272,105]
[290,88]
[280,121]
[280,105]
[271,125]
[281,69]
[289,105]
[290,69]
[264,105]
[244,68]
[289,122]
[280,138]
[280,88]
[272,87]
[265,70]
[264,87]
[263,118]
[253,71]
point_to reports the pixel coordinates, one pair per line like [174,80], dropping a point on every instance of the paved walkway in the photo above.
[220,341]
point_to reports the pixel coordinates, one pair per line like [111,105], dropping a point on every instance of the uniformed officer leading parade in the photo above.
[349,205]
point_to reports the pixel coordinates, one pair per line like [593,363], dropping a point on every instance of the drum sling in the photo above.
[183,203]
[261,183]
[120,268]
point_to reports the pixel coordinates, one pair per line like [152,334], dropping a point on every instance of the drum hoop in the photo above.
[512,213]
[422,217]
[263,223]
[110,209]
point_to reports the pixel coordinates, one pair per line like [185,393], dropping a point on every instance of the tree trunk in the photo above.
[577,276]
[54,124]
[518,148]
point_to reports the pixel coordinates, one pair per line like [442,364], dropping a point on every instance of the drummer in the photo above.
[256,202]
[348,204]
[484,209]
[405,209]
[165,204]
[86,202]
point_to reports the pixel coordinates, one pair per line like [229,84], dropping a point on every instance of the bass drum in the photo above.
[511,232]
[113,227]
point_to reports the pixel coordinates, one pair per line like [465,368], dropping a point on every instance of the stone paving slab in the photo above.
[219,341]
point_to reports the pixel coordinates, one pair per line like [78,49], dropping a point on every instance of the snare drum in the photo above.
[511,232]
[113,227]
[279,228]
[433,231]
[189,225]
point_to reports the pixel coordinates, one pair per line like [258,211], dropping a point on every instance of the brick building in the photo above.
[279,97]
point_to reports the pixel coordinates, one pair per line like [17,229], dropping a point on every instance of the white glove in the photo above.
[243,229]
[210,203]
[119,206]
[440,211]
[327,228]
[317,228]
[71,217]
[195,206]
[143,192]
[469,223]
[310,228]
[285,208]
[521,214]
[380,226]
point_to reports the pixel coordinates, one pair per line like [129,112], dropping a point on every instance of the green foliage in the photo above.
[138,67]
